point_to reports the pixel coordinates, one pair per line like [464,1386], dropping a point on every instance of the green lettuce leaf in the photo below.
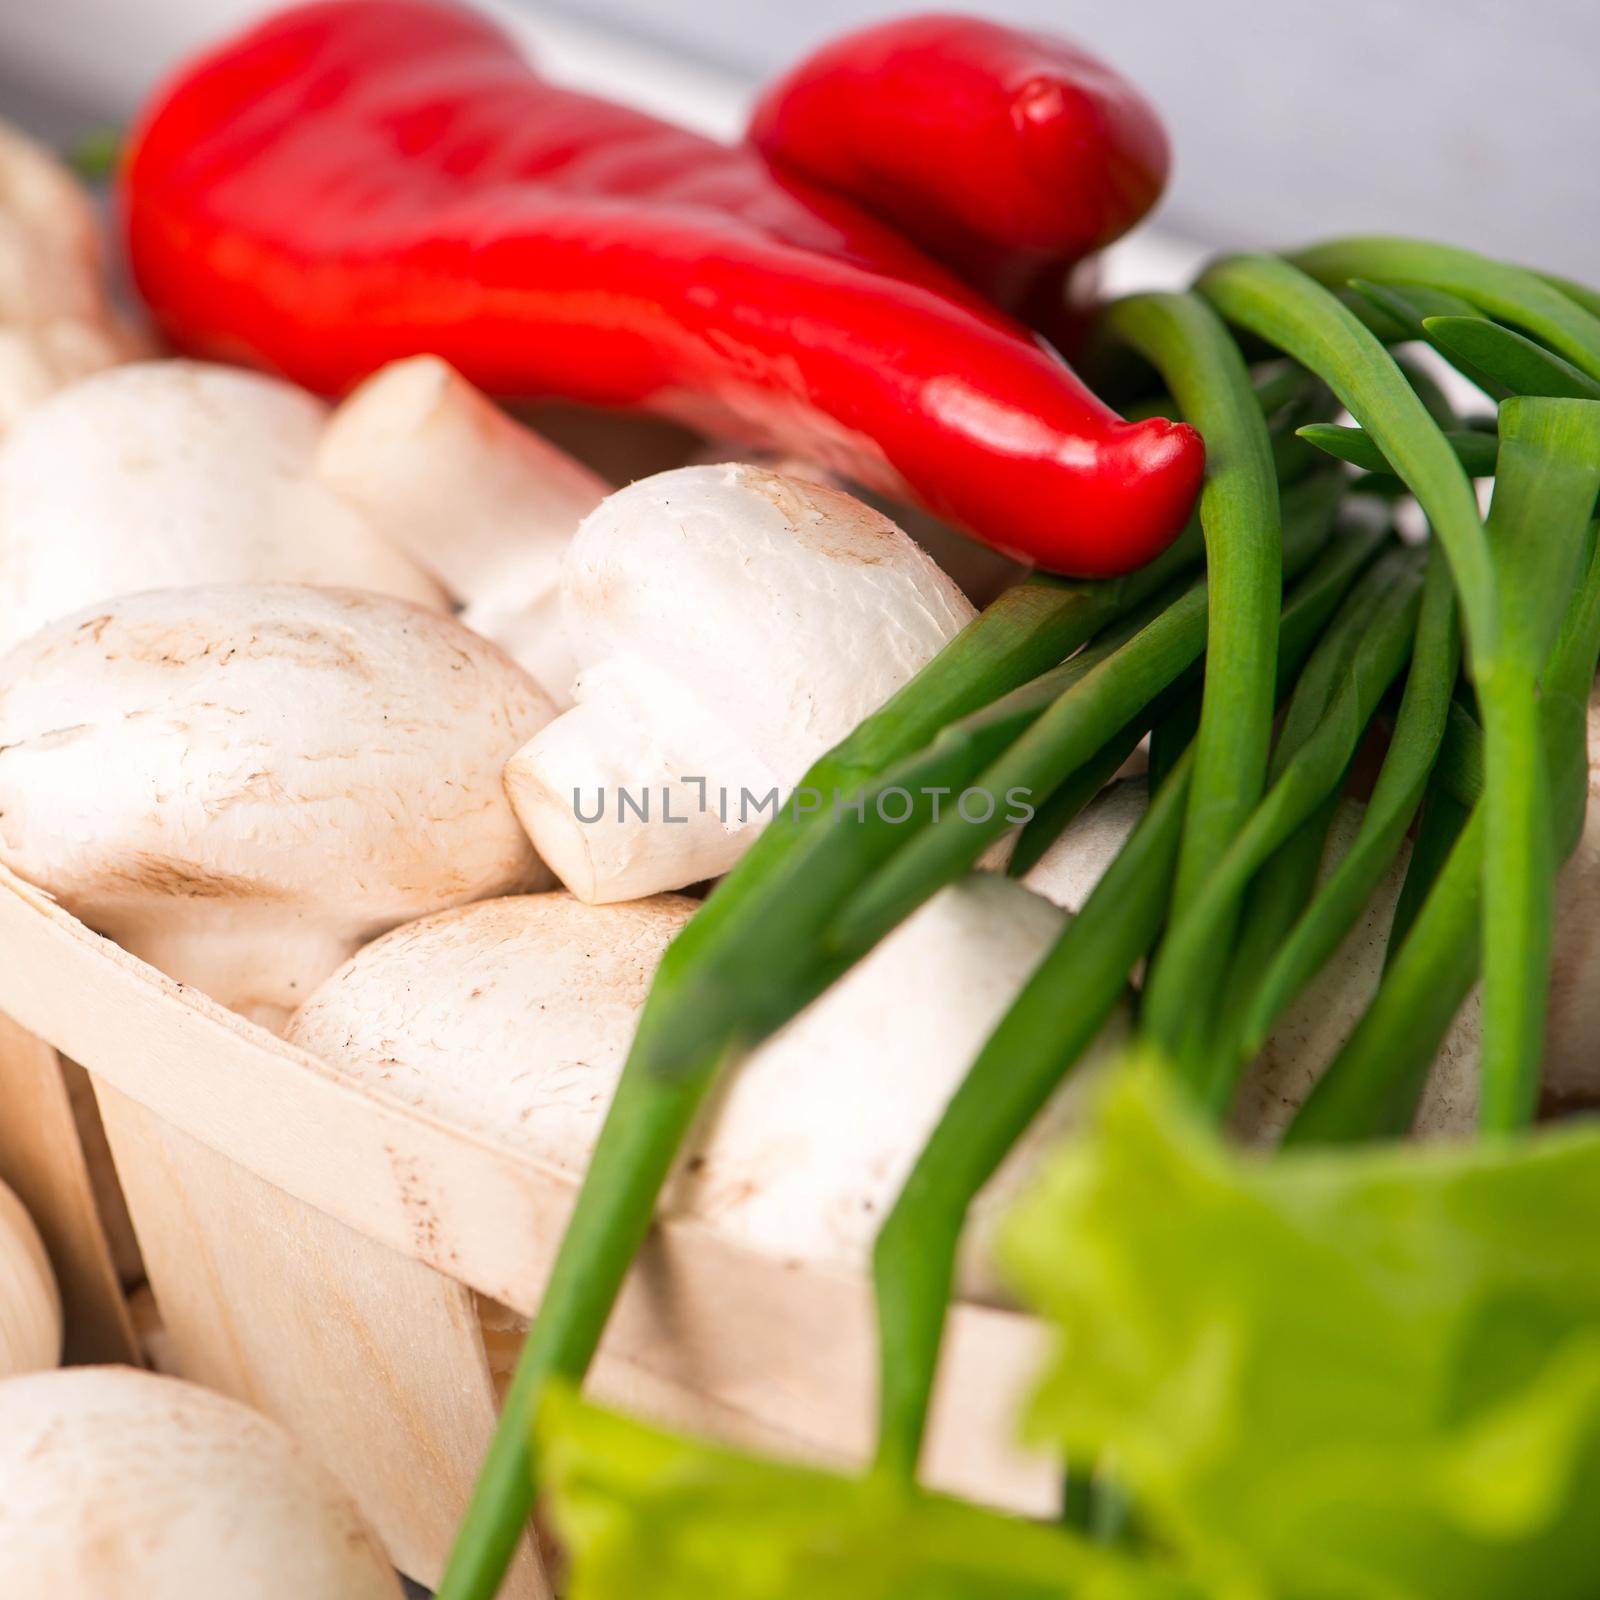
[646,1515]
[1351,1375]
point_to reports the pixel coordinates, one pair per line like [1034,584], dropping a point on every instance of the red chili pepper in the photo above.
[353,182]
[1009,156]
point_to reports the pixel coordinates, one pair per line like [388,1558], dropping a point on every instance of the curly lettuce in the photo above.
[643,1513]
[1329,1376]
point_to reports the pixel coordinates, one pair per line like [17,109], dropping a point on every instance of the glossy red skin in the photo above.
[358,181]
[1008,155]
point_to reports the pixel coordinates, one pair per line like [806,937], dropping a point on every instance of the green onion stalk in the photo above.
[1474,450]
[1112,684]
[1309,509]
[1510,577]
[762,947]
[1373,1084]
[1397,795]
[1044,1033]
[1046,690]
[1239,512]
[1362,653]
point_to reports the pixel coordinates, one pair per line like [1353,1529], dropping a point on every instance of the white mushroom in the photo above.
[483,503]
[730,626]
[121,1485]
[170,473]
[30,1307]
[1068,871]
[512,1018]
[1310,1032]
[56,322]
[977,571]
[812,1138]
[243,784]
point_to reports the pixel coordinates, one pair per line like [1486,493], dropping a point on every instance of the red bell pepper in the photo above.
[356,181]
[1009,156]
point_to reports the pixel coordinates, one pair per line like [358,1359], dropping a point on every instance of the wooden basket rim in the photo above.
[791,1343]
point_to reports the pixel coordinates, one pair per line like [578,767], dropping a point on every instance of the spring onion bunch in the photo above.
[1473,652]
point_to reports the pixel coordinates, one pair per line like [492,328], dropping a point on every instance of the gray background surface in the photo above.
[1471,120]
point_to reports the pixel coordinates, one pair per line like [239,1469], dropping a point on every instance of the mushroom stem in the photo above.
[483,503]
[56,321]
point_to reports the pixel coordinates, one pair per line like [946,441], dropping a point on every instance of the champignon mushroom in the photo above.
[170,473]
[56,322]
[511,1019]
[483,503]
[730,625]
[243,784]
[1310,1032]
[30,1306]
[809,1142]
[122,1485]
[977,571]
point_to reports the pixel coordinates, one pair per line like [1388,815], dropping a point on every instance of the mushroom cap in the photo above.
[1068,871]
[809,1142]
[30,1306]
[786,607]
[512,1018]
[37,361]
[242,783]
[166,473]
[122,1485]
[730,626]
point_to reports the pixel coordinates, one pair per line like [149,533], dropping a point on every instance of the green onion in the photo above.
[1077,726]
[1172,731]
[1064,738]
[1187,343]
[1366,648]
[1439,825]
[1493,579]
[1308,508]
[1507,293]
[1395,311]
[696,1026]
[1476,451]
[1544,496]
[1056,814]
[1438,404]
[1460,767]
[1058,1013]
[1407,765]
[1283,305]
[1054,1019]
[1372,1086]
[1513,361]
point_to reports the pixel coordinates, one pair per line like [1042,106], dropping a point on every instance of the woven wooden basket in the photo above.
[361,1270]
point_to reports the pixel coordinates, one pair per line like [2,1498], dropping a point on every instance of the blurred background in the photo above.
[1469,120]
